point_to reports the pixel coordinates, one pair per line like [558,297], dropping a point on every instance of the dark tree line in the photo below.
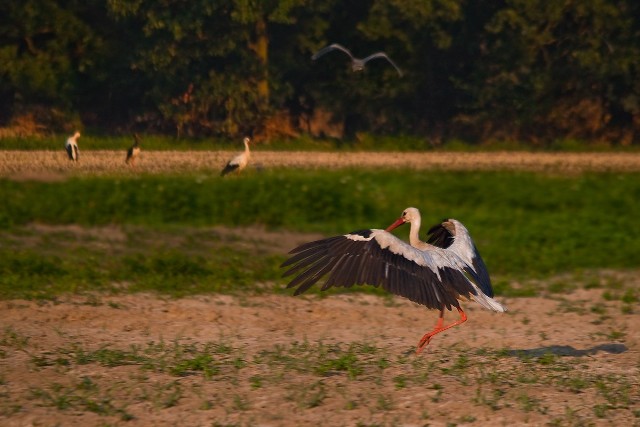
[530,70]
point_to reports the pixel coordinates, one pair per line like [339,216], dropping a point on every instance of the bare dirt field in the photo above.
[562,359]
[341,360]
[50,165]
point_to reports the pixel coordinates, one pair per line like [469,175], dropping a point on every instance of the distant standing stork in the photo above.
[357,64]
[240,161]
[435,274]
[72,146]
[134,151]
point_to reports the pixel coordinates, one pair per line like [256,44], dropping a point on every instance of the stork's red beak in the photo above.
[398,223]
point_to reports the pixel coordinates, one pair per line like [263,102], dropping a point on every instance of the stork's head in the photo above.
[76,135]
[246,140]
[409,215]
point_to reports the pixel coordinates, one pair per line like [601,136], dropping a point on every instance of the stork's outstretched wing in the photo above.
[384,56]
[435,278]
[329,48]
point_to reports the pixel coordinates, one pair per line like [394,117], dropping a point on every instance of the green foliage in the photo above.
[520,69]
[39,51]
[552,65]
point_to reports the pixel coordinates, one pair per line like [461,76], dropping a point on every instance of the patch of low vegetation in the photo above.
[84,395]
[89,141]
[119,378]
[527,225]
[47,262]
[29,274]
[178,261]
[364,142]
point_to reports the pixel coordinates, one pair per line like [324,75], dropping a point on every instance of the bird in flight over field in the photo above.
[71,146]
[437,273]
[240,161]
[357,64]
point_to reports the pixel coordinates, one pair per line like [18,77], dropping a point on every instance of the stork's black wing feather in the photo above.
[229,168]
[439,236]
[378,258]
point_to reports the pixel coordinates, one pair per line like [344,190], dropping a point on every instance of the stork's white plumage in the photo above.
[240,161]
[357,64]
[436,274]
[71,146]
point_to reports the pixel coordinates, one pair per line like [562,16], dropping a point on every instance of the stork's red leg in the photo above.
[427,337]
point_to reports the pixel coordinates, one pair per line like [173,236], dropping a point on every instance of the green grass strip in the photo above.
[523,223]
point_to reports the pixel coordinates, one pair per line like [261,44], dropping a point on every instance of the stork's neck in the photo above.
[414,233]
[246,147]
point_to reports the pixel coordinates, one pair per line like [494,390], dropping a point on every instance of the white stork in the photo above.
[435,274]
[71,146]
[357,64]
[134,151]
[240,161]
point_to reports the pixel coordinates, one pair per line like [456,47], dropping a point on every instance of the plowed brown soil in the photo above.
[547,361]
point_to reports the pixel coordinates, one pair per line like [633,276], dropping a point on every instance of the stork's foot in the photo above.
[421,346]
[426,339]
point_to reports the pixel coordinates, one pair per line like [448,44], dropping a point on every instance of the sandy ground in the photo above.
[548,361]
[55,165]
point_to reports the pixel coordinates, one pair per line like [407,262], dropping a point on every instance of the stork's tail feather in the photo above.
[489,303]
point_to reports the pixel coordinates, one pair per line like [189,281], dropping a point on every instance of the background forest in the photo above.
[527,70]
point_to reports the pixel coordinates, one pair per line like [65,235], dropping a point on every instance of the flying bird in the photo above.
[357,64]
[437,273]
[134,151]
[71,146]
[240,161]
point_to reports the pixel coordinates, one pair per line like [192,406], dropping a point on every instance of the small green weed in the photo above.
[347,362]
[240,403]
[13,339]
[85,395]
[527,403]
[400,381]
[384,403]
